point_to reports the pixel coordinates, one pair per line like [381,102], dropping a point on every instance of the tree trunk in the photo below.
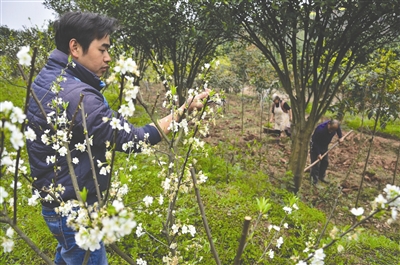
[301,135]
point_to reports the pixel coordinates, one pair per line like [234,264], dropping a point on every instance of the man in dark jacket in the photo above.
[320,140]
[84,37]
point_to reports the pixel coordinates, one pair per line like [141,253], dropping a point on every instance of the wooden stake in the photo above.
[242,242]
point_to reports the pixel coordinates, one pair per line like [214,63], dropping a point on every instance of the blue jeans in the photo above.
[68,252]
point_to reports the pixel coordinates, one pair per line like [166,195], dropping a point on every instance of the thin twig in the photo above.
[146,108]
[27,240]
[89,150]
[122,254]
[28,88]
[156,239]
[172,203]
[86,257]
[353,227]
[74,116]
[204,217]
[121,89]
[330,217]
[74,178]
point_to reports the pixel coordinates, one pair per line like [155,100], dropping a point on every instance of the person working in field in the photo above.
[320,140]
[281,115]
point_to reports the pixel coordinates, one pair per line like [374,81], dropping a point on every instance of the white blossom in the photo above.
[139,230]
[3,194]
[23,56]
[185,229]
[357,211]
[118,205]
[50,159]
[127,128]
[30,134]
[16,137]
[19,185]
[318,257]
[148,200]
[288,210]
[202,178]
[75,160]
[192,230]
[141,262]
[103,171]
[115,123]
[160,199]
[340,248]
[33,201]
[7,244]
[175,229]
[380,200]
[6,106]
[62,151]
[271,254]
[394,213]
[279,242]
[10,232]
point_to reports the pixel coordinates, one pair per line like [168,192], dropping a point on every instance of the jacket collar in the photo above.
[79,71]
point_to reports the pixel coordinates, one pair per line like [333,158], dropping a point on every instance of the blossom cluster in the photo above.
[94,225]
[124,67]
[6,241]
[275,230]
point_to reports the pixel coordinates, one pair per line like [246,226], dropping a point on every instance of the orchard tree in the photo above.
[12,40]
[313,45]
[181,35]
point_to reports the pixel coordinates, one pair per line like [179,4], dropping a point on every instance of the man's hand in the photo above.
[341,140]
[197,101]
[319,157]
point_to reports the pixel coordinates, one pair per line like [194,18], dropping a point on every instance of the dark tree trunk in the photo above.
[301,134]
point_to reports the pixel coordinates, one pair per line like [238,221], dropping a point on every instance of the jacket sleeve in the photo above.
[98,117]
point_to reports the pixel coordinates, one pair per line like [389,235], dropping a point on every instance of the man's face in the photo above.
[97,58]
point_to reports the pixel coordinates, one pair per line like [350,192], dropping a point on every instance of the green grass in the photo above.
[234,183]
[392,129]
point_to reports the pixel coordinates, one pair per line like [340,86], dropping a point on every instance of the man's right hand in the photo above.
[319,157]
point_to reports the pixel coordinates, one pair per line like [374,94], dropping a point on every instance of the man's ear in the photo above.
[75,48]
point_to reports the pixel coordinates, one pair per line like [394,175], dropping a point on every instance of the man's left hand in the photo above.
[197,102]
[341,140]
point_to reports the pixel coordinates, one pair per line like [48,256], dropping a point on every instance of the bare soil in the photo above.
[347,161]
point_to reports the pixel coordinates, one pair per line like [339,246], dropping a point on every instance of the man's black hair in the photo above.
[82,26]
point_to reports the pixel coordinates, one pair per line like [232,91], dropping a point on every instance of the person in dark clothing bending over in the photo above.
[320,140]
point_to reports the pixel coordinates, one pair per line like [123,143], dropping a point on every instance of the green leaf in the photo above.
[83,194]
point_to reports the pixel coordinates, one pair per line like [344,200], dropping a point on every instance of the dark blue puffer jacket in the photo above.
[79,81]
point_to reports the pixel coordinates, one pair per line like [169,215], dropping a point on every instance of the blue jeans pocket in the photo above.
[56,226]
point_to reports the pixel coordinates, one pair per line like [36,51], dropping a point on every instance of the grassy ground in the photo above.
[241,168]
